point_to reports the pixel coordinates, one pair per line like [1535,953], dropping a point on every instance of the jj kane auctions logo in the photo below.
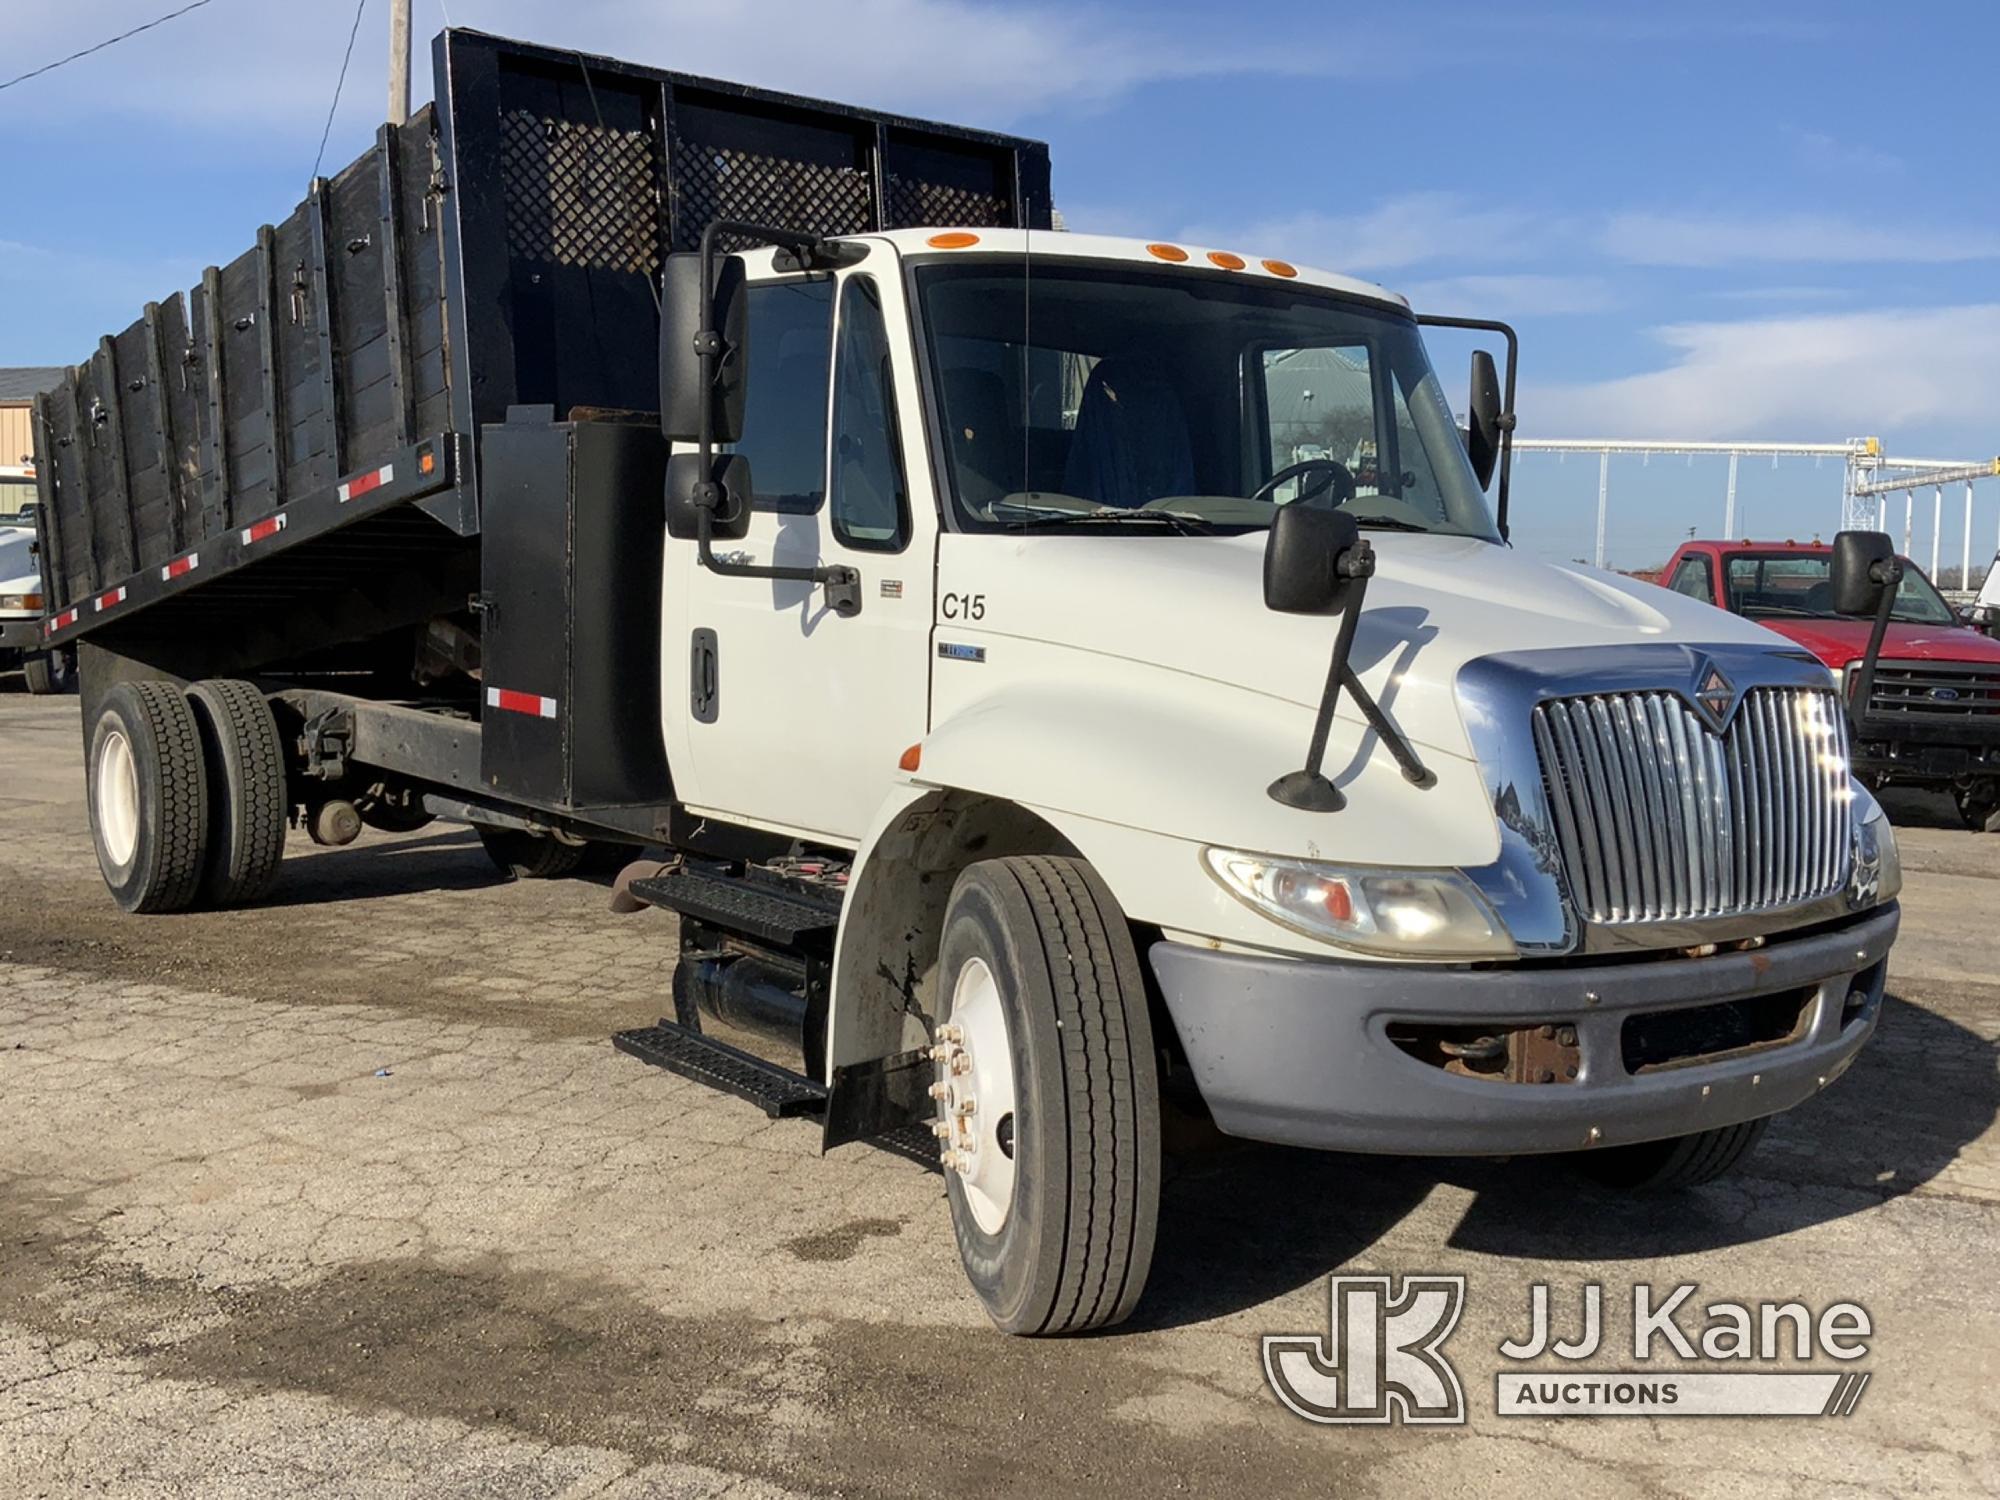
[1382,1357]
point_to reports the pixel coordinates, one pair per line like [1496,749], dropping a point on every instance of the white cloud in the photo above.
[1409,230]
[1523,296]
[1826,153]
[1814,378]
[1661,239]
[1782,294]
[273,65]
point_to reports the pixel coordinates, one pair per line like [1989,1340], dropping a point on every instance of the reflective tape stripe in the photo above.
[521,703]
[105,601]
[180,567]
[256,531]
[361,484]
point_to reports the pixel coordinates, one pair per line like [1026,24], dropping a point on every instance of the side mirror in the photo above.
[730,510]
[1308,560]
[1482,437]
[683,302]
[1864,569]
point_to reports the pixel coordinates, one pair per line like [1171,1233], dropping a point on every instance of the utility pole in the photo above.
[399,61]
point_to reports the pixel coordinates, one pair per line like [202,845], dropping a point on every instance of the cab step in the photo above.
[785,918]
[779,1092]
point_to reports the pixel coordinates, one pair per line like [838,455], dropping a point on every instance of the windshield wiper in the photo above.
[1173,520]
[1388,523]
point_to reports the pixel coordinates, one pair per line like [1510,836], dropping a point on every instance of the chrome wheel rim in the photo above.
[117,798]
[976,1096]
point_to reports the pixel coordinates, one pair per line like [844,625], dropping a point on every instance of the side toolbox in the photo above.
[570,599]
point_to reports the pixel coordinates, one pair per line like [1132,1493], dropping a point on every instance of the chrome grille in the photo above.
[1660,819]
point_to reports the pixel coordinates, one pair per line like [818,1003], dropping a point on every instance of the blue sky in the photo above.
[1709,221]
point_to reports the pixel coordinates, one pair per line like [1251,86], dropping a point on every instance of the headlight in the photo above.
[1878,866]
[1410,913]
[21,601]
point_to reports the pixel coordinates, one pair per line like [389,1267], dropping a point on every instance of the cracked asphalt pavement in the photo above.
[351,1195]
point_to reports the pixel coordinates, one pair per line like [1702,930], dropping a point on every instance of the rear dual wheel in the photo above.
[187,794]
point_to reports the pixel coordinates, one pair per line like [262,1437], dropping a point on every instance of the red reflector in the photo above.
[521,703]
[361,484]
[180,567]
[1338,900]
[256,531]
[115,596]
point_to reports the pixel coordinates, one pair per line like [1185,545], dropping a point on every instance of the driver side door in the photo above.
[780,713]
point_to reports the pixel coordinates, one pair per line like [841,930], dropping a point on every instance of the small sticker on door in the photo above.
[892,588]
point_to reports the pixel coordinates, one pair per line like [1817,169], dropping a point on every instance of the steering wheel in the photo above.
[1336,476]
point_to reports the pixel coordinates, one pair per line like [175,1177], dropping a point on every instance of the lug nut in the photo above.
[940,1091]
[960,1063]
[948,1160]
[951,1033]
[943,1052]
[965,1106]
[940,1129]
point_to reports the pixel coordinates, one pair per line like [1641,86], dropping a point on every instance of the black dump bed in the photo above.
[287,458]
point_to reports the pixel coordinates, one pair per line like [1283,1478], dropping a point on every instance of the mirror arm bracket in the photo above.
[843,584]
[1308,789]
[1889,574]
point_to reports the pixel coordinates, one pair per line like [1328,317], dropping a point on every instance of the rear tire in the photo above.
[530,856]
[1038,965]
[45,674]
[1683,1161]
[247,802]
[148,796]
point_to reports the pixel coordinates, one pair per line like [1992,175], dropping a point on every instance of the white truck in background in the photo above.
[21,647]
[1037,743]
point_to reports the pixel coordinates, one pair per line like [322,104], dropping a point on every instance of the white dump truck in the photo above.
[1030,741]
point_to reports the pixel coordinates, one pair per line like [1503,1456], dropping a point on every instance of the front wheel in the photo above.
[49,672]
[1048,1098]
[1979,806]
[1680,1161]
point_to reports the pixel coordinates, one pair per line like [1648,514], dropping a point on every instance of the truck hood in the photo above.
[1195,605]
[1838,642]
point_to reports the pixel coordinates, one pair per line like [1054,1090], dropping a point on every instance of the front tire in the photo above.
[1681,1161]
[247,801]
[1054,1174]
[49,672]
[1979,806]
[148,793]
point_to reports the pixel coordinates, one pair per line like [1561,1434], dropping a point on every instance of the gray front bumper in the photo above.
[20,635]
[1297,1051]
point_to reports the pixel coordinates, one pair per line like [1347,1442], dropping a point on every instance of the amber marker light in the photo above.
[1225,260]
[1167,252]
[958,239]
[1280,268]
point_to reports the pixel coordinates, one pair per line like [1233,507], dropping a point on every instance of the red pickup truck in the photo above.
[1933,712]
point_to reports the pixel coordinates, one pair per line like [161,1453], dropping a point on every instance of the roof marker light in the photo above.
[1225,260]
[1280,268]
[1167,252]
[958,239]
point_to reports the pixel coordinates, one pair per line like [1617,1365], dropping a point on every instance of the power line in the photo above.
[108,42]
[339,84]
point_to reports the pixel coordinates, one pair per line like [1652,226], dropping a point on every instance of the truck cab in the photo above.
[1931,717]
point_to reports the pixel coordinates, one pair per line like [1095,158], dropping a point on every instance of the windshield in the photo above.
[17,501]
[1086,395]
[1795,584]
